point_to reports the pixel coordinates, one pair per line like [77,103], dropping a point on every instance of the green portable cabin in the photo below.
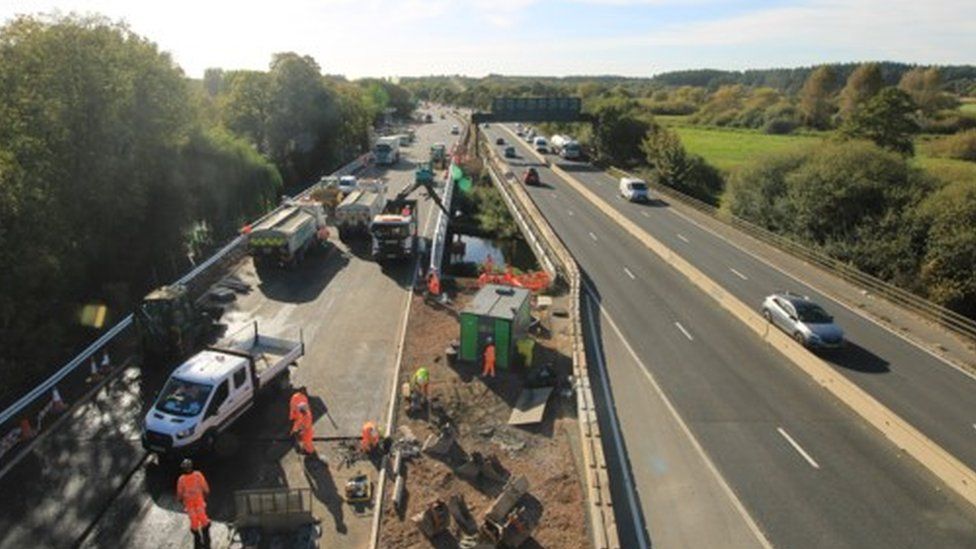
[499,312]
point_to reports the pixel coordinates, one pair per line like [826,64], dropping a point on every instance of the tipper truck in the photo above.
[286,235]
[354,214]
[213,388]
[394,231]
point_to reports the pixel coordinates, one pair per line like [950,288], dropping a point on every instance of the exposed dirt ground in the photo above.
[546,453]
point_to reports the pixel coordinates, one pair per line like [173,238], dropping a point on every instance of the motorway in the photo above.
[90,484]
[800,465]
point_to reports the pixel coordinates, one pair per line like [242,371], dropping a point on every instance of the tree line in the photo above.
[117,171]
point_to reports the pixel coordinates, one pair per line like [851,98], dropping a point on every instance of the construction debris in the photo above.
[477,467]
[511,493]
[433,520]
[469,451]
[439,444]
[530,406]
[462,515]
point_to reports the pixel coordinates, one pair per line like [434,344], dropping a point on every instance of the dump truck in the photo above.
[394,230]
[357,210]
[206,394]
[170,325]
[286,235]
[438,156]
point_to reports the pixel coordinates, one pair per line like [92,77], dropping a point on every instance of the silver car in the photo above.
[807,322]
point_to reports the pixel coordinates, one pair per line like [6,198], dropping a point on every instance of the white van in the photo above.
[540,145]
[633,189]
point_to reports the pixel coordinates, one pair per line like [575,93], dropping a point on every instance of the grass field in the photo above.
[969,108]
[728,149]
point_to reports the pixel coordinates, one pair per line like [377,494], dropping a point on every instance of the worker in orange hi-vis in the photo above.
[370,438]
[303,426]
[300,396]
[488,366]
[192,490]
[433,284]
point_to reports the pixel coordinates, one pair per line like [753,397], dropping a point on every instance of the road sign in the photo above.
[532,109]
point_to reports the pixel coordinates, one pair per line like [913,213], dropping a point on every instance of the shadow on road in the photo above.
[856,358]
[629,532]
[324,489]
[305,282]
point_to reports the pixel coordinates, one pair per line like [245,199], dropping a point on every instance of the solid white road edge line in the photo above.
[629,486]
[738,274]
[674,414]
[798,448]
[682,328]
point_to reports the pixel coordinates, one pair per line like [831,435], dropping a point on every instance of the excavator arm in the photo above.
[431,191]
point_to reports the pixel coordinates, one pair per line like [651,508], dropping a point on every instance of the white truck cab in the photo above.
[633,189]
[212,389]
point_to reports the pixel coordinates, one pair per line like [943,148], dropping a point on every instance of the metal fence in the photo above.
[23,419]
[934,312]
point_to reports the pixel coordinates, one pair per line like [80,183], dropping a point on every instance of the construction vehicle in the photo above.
[213,388]
[387,150]
[438,156]
[286,235]
[169,324]
[424,174]
[354,215]
[394,230]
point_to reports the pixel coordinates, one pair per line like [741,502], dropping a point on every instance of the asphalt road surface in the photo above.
[807,470]
[91,484]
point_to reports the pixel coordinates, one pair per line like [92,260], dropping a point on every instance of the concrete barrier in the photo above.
[930,455]
[602,521]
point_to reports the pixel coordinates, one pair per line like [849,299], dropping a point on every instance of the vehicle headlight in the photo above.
[186,432]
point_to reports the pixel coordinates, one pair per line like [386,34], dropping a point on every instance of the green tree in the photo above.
[245,106]
[887,119]
[863,83]
[618,133]
[947,267]
[815,104]
[925,88]
[673,166]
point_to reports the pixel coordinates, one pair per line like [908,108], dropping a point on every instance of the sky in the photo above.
[392,38]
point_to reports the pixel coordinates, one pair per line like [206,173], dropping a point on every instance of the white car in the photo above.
[347,184]
[455,130]
[633,189]
[540,145]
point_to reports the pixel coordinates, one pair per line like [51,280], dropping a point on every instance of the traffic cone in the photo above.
[26,432]
[57,404]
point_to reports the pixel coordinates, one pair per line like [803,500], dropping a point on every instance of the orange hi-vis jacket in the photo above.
[191,489]
[296,399]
